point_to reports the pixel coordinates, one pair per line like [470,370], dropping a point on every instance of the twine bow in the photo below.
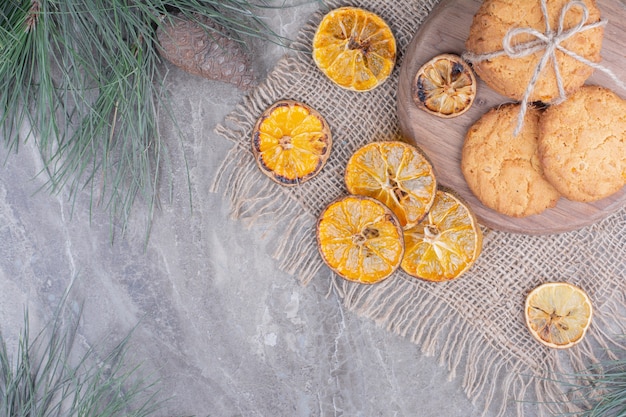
[549,42]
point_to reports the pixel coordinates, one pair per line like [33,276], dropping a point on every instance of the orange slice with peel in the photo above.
[291,142]
[355,48]
[445,86]
[360,239]
[446,243]
[395,173]
[558,314]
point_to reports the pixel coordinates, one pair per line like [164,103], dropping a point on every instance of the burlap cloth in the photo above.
[475,325]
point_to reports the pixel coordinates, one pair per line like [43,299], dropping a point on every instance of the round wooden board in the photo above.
[445,31]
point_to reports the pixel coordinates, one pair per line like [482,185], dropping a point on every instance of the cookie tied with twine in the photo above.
[516,51]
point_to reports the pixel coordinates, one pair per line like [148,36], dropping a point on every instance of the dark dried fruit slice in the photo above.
[445,86]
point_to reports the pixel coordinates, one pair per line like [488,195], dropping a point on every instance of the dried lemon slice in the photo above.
[445,86]
[291,142]
[395,173]
[558,314]
[354,48]
[360,239]
[446,243]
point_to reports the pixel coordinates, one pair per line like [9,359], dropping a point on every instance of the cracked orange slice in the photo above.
[558,314]
[291,142]
[446,243]
[445,86]
[355,48]
[360,239]
[395,173]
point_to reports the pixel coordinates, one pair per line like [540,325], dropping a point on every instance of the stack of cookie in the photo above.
[575,149]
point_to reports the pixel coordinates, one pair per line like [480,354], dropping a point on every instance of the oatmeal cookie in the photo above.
[582,144]
[511,76]
[503,170]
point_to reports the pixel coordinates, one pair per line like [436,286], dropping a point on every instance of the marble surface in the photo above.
[225,331]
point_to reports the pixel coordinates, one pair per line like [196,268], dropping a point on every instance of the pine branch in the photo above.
[83,79]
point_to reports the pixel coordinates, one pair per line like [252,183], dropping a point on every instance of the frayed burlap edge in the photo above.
[255,198]
[495,379]
[487,373]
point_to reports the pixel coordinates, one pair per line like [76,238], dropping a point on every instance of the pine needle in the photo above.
[45,378]
[598,391]
[83,79]
[607,390]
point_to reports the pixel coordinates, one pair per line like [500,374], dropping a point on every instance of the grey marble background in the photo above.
[225,331]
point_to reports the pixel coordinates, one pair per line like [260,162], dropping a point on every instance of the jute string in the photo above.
[549,42]
[473,326]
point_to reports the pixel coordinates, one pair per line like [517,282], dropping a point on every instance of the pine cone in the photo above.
[209,54]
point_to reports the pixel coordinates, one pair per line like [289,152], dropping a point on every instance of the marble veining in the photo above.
[223,328]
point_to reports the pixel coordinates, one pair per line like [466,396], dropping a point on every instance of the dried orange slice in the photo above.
[446,243]
[445,86]
[291,142]
[558,314]
[395,173]
[360,239]
[354,48]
